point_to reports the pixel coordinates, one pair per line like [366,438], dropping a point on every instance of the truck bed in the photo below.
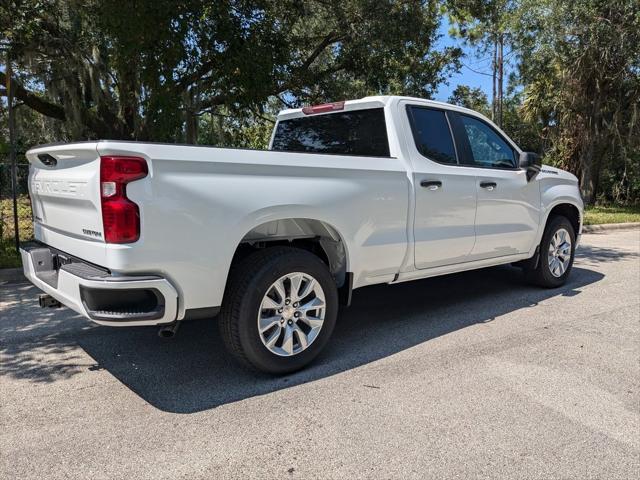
[197,204]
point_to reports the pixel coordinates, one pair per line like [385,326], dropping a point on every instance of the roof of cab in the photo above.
[372,102]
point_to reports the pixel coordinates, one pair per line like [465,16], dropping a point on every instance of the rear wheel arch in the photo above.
[315,236]
[246,306]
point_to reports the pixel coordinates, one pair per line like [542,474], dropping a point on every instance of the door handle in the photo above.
[431,184]
[488,185]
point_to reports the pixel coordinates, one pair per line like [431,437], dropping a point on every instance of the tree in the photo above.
[581,70]
[151,70]
[487,25]
[471,97]
[527,134]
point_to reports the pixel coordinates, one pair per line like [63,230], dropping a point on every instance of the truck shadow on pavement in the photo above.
[192,372]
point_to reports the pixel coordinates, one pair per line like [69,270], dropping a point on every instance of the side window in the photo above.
[487,147]
[432,134]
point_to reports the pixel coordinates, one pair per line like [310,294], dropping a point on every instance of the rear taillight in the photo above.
[120,216]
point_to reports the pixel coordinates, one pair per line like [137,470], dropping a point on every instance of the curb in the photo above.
[12,275]
[609,226]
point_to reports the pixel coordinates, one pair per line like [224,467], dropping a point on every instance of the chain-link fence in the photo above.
[9,214]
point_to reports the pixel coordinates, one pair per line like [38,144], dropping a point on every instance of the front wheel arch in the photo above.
[537,269]
[570,212]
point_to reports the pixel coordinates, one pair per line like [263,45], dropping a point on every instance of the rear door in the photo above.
[508,206]
[445,191]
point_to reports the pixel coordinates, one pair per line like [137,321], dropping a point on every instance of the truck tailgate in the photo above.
[64,183]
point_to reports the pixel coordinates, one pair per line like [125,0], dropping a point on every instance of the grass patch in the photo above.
[9,258]
[611,214]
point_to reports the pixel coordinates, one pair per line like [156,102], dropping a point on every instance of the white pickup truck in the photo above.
[383,189]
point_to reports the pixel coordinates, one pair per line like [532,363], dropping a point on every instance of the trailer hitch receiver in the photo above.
[47,301]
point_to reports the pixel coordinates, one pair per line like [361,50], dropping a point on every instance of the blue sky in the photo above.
[469,73]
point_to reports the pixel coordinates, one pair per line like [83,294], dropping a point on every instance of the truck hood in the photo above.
[548,171]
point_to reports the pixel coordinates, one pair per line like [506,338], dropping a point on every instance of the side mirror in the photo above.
[532,163]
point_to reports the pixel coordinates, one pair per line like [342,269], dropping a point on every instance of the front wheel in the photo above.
[557,250]
[279,310]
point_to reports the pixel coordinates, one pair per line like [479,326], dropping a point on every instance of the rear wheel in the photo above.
[279,310]
[557,250]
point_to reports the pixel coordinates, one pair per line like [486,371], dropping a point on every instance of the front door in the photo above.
[508,206]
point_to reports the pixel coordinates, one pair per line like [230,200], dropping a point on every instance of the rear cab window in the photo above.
[356,132]
[432,134]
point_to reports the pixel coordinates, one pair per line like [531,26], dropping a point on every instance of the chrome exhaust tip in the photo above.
[169,330]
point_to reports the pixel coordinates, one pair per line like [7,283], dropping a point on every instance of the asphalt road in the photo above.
[475,375]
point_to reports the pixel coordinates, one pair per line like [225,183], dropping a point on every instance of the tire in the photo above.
[544,275]
[250,282]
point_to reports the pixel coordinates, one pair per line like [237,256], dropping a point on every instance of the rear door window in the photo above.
[358,132]
[431,134]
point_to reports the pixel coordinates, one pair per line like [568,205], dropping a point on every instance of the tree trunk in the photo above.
[191,119]
[191,130]
[494,70]
[592,153]
[500,77]
[129,107]
[587,175]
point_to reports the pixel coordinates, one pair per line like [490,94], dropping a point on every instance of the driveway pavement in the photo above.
[474,375]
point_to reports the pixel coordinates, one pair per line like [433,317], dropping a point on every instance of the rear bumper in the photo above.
[96,293]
